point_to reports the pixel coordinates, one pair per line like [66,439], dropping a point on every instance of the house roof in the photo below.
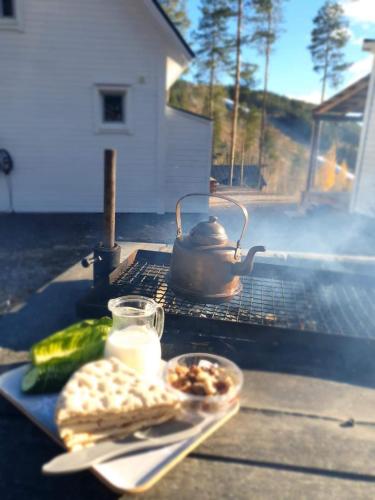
[191,113]
[173,27]
[347,105]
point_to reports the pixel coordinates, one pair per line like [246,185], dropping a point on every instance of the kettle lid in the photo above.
[209,232]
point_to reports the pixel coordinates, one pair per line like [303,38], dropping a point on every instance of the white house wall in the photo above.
[188,158]
[174,71]
[47,108]
[363,199]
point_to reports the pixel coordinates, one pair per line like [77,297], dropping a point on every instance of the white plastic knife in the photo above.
[75,461]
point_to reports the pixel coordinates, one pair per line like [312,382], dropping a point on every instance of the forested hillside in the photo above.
[288,133]
[236,42]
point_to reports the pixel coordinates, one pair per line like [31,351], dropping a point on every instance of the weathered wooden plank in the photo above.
[297,442]
[321,446]
[25,448]
[308,395]
[10,358]
[209,480]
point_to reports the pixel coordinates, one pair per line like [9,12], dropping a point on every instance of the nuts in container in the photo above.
[200,380]
[205,382]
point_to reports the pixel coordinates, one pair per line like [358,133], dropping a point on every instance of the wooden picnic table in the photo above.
[303,431]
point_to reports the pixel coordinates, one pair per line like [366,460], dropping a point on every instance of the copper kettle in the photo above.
[206,266]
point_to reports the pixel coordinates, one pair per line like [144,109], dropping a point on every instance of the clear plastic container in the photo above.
[202,403]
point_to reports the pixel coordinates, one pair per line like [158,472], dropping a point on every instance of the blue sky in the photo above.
[291,70]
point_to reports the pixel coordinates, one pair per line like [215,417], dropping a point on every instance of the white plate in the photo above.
[142,469]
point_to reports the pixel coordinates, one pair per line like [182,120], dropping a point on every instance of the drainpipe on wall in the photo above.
[6,167]
[10,194]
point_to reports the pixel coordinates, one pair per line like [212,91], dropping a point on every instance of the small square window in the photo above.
[7,8]
[113,107]
[12,15]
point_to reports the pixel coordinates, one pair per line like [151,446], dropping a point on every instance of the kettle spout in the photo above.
[245,267]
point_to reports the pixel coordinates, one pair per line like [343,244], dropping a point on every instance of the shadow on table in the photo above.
[340,359]
[48,310]
[24,448]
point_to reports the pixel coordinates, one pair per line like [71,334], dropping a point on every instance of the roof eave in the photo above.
[187,49]
[343,95]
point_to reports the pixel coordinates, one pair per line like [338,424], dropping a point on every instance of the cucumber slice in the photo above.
[49,377]
[30,380]
[58,356]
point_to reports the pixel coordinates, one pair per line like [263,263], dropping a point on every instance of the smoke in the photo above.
[326,234]
[323,238]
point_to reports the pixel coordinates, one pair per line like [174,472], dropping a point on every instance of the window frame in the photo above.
[123,98]
[102,126]
[16,22]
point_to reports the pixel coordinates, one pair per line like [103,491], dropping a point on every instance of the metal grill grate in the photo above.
[276,296]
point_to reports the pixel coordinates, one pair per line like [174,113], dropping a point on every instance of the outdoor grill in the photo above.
[273,296]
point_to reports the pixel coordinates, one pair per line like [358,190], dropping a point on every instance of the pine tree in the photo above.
[176,10]
[238,12]
[180,95]
[250,127]
[213,45]
[249,120]
[219,115]
[247,79]
[328,39]
[267,21]
[243,71]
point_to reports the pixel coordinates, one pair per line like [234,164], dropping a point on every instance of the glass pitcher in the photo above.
[138,324]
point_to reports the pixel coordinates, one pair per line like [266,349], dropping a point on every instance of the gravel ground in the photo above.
[36,248]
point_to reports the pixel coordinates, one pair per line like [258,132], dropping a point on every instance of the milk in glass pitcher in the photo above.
[138,324]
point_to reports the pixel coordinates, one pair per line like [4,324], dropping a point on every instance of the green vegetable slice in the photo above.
[84,337]
[49,377]
[58,356]
[30,380]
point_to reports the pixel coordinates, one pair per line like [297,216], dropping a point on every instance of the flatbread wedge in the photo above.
[107,400]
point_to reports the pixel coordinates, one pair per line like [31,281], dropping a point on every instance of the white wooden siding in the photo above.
[188,157]
[363,199]
[47,117]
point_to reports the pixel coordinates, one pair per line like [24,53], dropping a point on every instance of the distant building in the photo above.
[79,76]
[355,104]
[251,175]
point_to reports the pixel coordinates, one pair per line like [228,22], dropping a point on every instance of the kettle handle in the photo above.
[231,200]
